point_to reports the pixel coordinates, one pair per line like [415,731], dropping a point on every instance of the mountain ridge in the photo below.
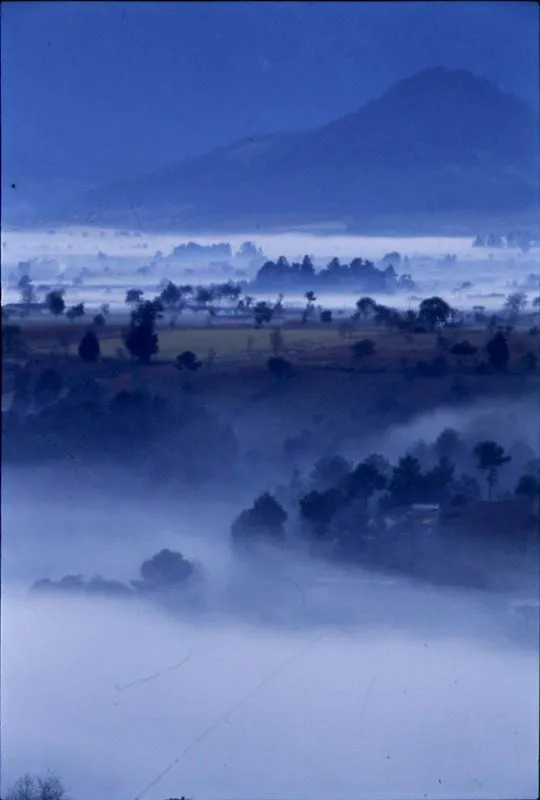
[440,141]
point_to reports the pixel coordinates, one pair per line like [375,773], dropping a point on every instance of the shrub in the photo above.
[464,348]
[363,348]
[279,367]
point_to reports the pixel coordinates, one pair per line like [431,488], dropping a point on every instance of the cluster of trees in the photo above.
[339,498]
[522,239]
[37,787]
[360,273]
[166,571]
[50,787]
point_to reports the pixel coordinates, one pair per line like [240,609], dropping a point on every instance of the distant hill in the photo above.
[440,143]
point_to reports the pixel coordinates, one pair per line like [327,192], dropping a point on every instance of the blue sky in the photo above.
[103,90]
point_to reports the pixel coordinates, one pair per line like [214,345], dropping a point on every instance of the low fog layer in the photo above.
[97,265]
[242,711]
[289,677]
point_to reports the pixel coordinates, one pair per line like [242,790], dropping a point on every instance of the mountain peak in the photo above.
[439,141]
[445,82]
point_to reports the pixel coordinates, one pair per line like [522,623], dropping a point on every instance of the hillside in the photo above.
[442,142]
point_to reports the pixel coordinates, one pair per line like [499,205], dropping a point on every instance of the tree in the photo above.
[434,311]
[326,316]
[276,341]
[448,443]
[264,520]
[310,298]
[141,339]
[75,311]
[330,471]
[514,305]
[99,320]
[171,295]
[133,296]
[366,306]
[364,481]
[89,349]
[203,295]
[491,457]
[319,508]
[187,360]
[406,482]
[439,480]
[262,313]
[26,288]
[166,569]
[498,352]
[55,302]
[363,348]
[34,787]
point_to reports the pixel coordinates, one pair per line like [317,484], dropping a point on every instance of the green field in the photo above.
[227,342]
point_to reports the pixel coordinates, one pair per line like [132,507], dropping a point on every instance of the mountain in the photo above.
[442,142]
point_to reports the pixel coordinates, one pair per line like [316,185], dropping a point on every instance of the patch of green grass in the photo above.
[227,342]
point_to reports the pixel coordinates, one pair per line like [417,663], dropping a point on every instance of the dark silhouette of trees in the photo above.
[26,288]
[134,296]
[35,787]
[265,520]
[55,303]
[167,569]
[438,482]
[171,295]
[89,349]
[406,482]
[310,302]
[262,312]
[187,360]
[366,306]
[363,348]
[364,481]
[326,316]
[203,296]
[434,311]
[319,509]
[329,471]
[515,304]
[75,312]
[498,352]
[141,340]
[448,444]
[99,320]
[490,457]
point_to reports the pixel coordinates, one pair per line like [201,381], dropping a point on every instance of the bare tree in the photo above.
[35,787]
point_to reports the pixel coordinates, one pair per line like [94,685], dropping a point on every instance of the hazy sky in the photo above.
[97,91]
